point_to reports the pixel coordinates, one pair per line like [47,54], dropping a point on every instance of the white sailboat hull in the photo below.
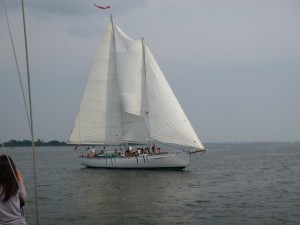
[159,161]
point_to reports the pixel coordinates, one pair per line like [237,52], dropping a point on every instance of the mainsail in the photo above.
[128,99]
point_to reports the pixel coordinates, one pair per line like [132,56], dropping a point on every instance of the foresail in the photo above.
[129,58]
[99,117]
[129,66]
[134,129]
[167,121]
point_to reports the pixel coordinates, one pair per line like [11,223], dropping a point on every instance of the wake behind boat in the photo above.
[128,100]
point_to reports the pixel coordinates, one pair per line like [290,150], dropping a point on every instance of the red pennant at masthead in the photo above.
[102,7]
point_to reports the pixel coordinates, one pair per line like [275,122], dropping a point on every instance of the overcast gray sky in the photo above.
[234,65]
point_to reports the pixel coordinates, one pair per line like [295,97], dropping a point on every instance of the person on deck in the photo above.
[12,193]
[153,149]
[93,152]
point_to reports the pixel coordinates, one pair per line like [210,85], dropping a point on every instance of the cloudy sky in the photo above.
[234,65]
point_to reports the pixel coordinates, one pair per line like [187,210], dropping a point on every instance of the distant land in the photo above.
[39,142]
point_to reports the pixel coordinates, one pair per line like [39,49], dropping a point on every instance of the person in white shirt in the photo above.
[12,193]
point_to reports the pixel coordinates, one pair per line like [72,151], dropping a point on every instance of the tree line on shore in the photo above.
[39,142]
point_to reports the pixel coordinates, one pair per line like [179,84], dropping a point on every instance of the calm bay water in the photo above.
[230,184]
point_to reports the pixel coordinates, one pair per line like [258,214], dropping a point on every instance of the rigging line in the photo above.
[112,140]
[145,104]
[79,127]
[21,85]
[144,76]
[15,176]
[31,121]
[16,60]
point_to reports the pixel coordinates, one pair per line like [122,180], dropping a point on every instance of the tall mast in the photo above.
[113,28]
[116,70]
[144,81]
[31,121]
[144,56]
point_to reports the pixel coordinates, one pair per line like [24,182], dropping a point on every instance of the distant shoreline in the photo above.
[39,142]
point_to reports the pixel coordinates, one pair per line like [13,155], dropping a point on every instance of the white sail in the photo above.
[127,98]
[168,122]
[134,129]
[129,66]
[99,117]
[129,58]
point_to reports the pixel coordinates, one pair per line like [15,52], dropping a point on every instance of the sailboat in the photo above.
[128,102]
